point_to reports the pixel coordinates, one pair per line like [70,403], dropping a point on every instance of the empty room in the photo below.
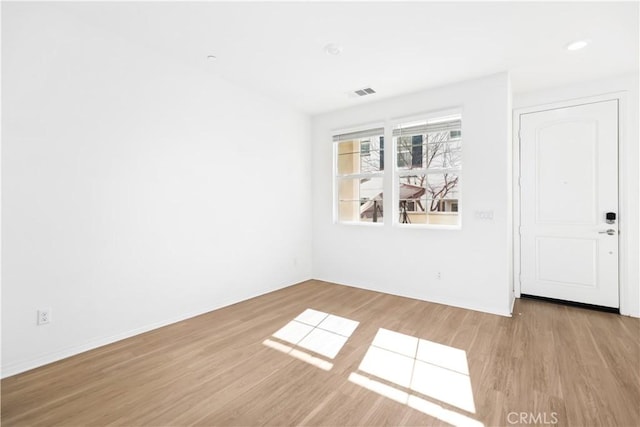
[320,213]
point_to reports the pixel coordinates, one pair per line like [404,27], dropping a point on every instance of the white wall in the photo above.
[475,261]
[629,216]
[135,192]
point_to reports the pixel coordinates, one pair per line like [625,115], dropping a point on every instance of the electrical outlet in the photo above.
[438,275]
[44,316]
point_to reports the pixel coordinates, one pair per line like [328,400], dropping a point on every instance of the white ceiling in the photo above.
[277,48]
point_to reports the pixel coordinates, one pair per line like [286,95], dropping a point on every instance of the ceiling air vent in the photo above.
[364,92]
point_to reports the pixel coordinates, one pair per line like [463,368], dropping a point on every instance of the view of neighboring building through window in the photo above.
[428,167]
[427,172]
[359,180]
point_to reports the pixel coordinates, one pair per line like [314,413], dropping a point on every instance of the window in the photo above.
[359,175]
[428,154]
[427,169]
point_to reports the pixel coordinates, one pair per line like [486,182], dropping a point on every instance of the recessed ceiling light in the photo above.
[211,57]
[578,44]
[333,49]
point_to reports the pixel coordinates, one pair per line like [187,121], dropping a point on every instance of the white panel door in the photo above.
[568,183]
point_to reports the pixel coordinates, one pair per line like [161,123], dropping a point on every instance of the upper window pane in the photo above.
[429,144]
[360,152]
[443,153]
[372,154]
[411,151]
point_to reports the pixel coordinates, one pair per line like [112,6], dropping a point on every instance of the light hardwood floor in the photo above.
[554,362]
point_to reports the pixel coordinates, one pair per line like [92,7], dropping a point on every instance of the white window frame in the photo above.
[398,173]
[337,177]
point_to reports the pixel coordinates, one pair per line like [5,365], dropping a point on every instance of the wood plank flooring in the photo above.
[552,363]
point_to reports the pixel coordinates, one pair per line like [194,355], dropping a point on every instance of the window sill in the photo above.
[429,226]
[360,223]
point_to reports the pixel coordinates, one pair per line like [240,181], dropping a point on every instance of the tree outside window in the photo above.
[428,155]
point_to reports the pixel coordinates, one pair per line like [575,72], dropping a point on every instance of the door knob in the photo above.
[610,232]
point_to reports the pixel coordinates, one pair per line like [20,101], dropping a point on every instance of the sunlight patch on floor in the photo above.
[415,402]
[319,332]
[300,355]
[416,367]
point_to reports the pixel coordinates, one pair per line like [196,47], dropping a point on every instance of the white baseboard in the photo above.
[435,299]
[467,306]
[16,368]
[45,359]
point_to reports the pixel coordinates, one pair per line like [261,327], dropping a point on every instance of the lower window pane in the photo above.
[442,186]
[442,191]
[443,212]
[360,200]
[413,200]
[428,199]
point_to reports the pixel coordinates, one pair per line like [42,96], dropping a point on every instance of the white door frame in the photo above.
[623,199]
